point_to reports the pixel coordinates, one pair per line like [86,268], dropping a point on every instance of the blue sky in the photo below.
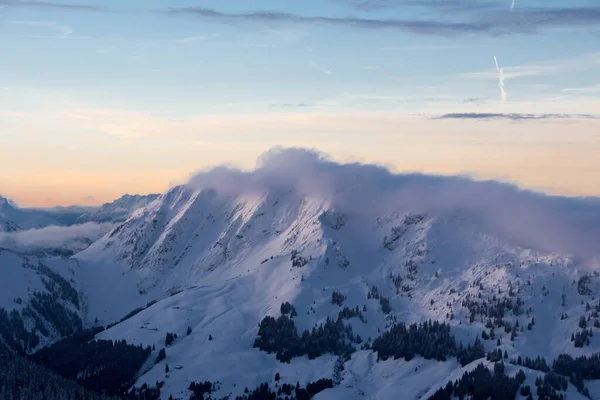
[134,80]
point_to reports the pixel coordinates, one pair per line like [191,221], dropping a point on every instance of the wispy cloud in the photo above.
[500,81]
[544,68]
[588,89]
[59,30]
[54,6]
[476,100]
[252,44]
[423,27]
[424,47]
[490,22]
[212,38]
[439,5]
[180,40]
[320,68]
[286,36]
[191,39]
[514,116]
[369,67]
[290,105]
[514,72]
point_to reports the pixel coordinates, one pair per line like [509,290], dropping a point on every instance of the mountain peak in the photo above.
[6,202]
[119,209]
[8,211]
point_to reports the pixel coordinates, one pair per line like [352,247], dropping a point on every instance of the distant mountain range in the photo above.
[14,218]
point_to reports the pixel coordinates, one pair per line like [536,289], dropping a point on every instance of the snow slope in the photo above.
[40,293]
[228,261]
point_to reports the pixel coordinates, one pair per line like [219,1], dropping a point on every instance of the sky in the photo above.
[102,98]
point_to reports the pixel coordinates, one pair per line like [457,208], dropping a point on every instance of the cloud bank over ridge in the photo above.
[525,218]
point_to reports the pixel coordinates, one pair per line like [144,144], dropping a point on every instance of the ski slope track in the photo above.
[226,250]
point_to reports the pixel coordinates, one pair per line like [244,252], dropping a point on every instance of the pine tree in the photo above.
[170,338]
[162,354]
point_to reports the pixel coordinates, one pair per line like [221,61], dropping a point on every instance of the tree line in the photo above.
[482,384]
[287,391]
[104,366]
[280,336]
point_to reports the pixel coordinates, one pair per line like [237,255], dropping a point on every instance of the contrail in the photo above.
[500,81]
[512,5]
[323,69]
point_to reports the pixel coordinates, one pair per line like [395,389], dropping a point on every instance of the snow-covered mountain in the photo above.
[355,251]
[209,260]
[13,218]
[118,210]
[61,230]
[8,226]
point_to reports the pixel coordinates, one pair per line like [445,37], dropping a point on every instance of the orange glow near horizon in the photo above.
[538,156]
